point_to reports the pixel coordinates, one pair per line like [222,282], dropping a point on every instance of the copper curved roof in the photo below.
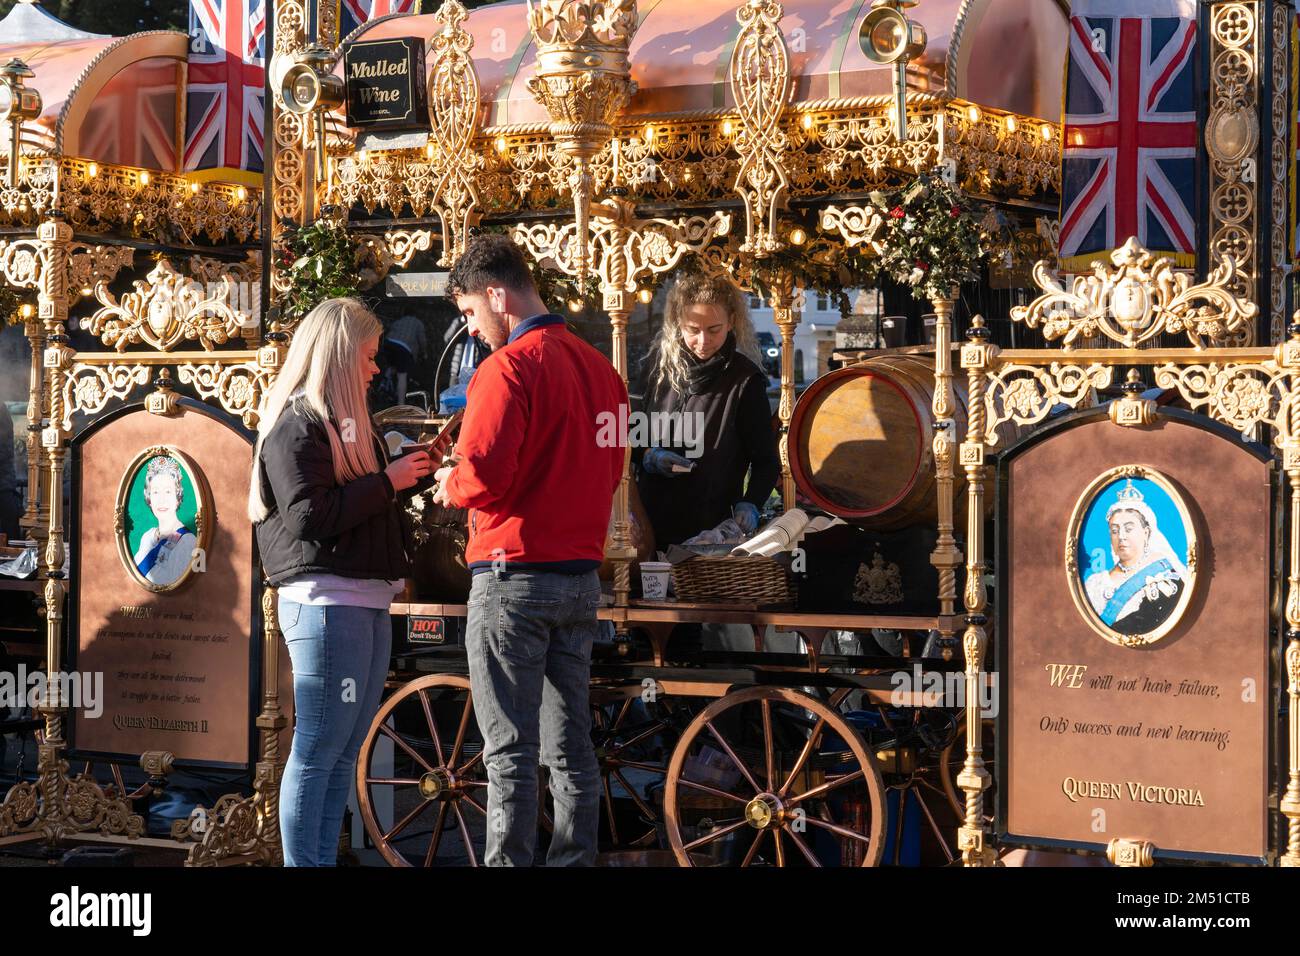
[111,99]
[1006,54]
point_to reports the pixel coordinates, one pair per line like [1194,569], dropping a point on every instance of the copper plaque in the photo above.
[162,585]
[1135,654]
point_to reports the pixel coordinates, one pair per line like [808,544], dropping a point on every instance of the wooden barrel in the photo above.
[861,442]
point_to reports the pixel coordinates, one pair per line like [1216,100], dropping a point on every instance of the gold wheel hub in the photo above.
[764,811]
[438,784]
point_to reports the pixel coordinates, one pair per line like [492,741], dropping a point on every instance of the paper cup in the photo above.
[654,580]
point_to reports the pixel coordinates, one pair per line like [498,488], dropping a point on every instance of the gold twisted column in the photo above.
[786,319]
[973,835]
[946,557]
[1289,358]
[35,517]
[618,303]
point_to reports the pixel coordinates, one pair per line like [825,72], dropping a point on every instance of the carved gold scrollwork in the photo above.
[238,388]
[207,269]
[1139,298]
[87,389]
[1024,394]
[760,84]
[455,111]
[167,309]
[857,225]
[403,244]
[1241,396]
[655,247]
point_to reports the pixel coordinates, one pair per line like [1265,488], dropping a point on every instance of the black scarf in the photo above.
[700,374]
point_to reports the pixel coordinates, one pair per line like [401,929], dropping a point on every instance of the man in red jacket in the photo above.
[538,481]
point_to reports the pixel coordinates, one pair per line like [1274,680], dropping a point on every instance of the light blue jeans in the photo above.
[340,658]
[528,638]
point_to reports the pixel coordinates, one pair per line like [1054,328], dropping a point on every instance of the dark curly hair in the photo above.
[491,259]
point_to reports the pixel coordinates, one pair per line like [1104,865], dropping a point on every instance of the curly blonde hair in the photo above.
[697,288]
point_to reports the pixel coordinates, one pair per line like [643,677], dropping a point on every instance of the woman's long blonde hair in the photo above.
[323,363]
[696,288]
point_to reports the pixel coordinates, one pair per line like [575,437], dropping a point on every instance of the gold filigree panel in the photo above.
[97,197]
[654,246]
[1232,137]
[760,84]
[238,388]
[87,389]
[1024,394]
[455,113]
[168,309]
[1240,395]
[1137,298]
[842,147]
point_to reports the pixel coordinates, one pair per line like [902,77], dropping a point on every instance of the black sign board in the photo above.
[386,84]
[422,629]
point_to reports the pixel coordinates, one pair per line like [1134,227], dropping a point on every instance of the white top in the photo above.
[331,589]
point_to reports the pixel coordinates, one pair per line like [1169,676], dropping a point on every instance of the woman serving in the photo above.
[705,379]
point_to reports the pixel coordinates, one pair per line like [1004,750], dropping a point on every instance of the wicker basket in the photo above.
[738,579]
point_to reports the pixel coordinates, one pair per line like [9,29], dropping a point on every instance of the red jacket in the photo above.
[537,470]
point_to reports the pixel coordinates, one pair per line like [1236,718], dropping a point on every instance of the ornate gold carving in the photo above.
[656,246]
[1140,298]
[87,389]
[857,225]
[238,388]
[760,84]
[1024,394]
[1237,394]
[1129,852]
[167,309]
[206,269]
[583,81]
[455,111]
[1280,87]
[1232,141]
[403,244]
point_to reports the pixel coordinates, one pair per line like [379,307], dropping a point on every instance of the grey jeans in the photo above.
[529,637]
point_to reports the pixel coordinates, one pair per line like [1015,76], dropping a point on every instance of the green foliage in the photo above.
[931,238]
[321,257]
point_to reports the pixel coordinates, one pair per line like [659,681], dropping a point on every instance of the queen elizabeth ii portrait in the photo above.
[161,503]
[1134,543]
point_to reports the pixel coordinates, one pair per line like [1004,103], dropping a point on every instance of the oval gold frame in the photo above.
[1077,590]
[204,516]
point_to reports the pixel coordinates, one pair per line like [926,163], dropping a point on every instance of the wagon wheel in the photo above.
[438,783]
[911,748]
[954,757]
[627,741]
[807,768]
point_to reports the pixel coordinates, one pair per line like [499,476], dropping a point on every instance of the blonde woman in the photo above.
[324,501]
[705,373]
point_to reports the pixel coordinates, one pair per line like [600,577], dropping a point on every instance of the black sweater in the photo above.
[731,396]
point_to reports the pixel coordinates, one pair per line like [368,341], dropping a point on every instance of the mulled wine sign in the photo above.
[385,84]
[1134,627]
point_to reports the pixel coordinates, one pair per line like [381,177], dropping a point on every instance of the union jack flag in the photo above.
[354,13]
[1129,150]
[225,105]
[133,119]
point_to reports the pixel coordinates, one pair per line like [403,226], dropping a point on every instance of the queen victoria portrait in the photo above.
[1134,542]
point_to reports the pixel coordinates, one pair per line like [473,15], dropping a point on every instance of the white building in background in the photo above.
[815,333]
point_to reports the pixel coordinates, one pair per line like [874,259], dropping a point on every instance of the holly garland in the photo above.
[930,240]
[325,261]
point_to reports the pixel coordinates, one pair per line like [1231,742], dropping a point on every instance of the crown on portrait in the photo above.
[1129,493]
